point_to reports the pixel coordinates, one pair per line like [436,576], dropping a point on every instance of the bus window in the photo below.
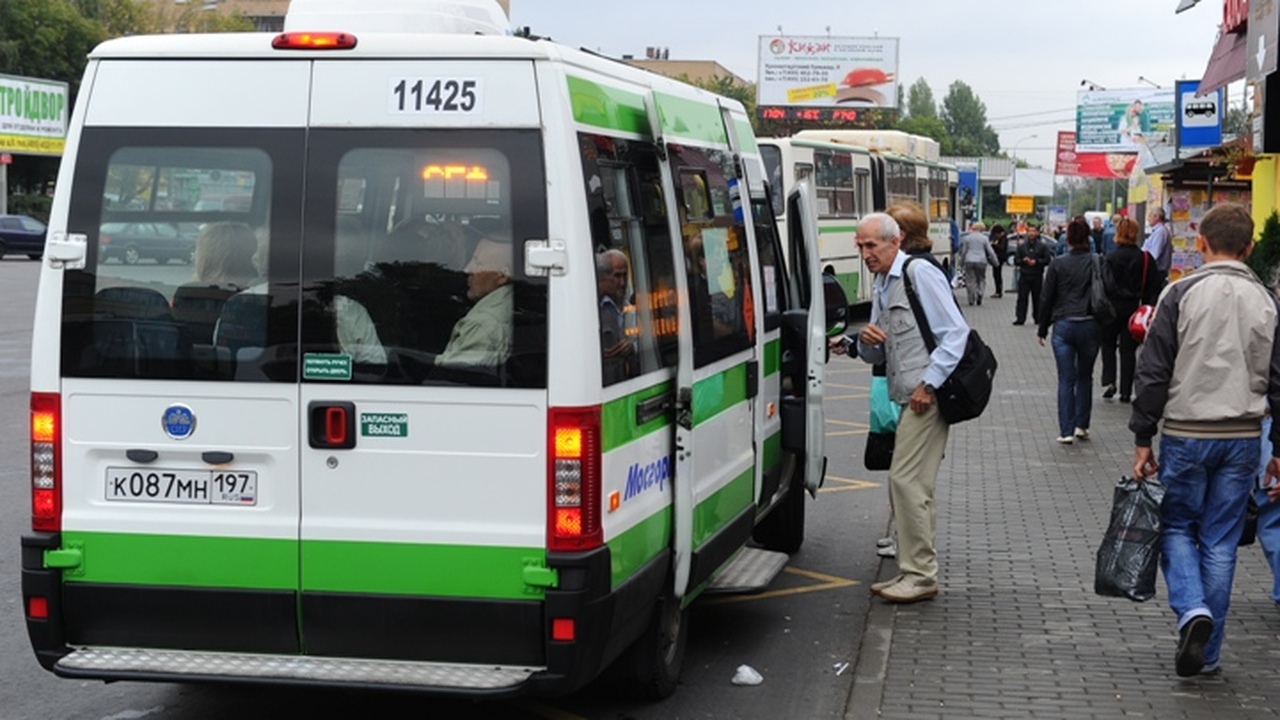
[638,332]
[833,178]
[716,258]
[772,157]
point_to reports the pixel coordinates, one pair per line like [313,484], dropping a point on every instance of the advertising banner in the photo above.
[827,72]
[1123,120]
[33,115]
[1093,165]
[1199,118]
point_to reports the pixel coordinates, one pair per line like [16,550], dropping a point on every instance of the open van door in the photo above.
[802,248]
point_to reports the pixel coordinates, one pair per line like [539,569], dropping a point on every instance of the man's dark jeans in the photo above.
[1028,284]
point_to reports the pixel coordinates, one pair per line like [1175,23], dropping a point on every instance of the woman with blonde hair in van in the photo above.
[224,255]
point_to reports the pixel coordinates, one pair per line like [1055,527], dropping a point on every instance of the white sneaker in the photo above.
[888,551]
[1082,433]
[884,542]
[1066,440]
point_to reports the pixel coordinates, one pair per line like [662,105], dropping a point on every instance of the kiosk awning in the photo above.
[1226,64]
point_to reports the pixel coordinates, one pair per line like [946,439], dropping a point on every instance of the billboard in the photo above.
[827,72]
[33,115]
[1123,120]
[1094,165]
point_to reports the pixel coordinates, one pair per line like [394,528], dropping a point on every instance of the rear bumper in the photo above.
[446,646]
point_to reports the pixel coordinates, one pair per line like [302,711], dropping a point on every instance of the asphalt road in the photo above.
[797,634]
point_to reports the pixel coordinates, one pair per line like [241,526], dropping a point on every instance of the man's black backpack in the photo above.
[966,392]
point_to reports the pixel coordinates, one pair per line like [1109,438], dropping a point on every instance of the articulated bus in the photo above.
[857,172]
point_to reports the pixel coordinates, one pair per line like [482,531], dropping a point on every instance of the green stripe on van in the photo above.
[714,395]
[413,569]
[185,560]
[850,283]
[834,229]
[631,550]
[605,107]
[772,357]
[618,418]
[690,119]
[724,505]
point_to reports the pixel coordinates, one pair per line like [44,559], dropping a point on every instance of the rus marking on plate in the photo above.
[384,425]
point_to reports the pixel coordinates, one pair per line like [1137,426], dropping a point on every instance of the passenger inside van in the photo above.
[225,255]
[482,338]
[616,346]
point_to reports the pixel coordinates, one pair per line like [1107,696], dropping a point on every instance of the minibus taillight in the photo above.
[46,471]
[314,41]
[573,475]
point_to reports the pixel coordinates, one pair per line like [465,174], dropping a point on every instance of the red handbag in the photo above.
[1140,320]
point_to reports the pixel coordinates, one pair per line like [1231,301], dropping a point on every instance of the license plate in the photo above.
[192,487]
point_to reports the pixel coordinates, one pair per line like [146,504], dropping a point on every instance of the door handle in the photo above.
[332,425]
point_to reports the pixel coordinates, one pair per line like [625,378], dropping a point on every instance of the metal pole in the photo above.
[4,189]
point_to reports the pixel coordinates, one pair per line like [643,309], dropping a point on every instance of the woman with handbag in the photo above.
[1133,281]
[1066,303]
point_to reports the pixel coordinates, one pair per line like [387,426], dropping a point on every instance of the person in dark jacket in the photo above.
[1031,258]
[1065,305]
[1132,280]
[999,243]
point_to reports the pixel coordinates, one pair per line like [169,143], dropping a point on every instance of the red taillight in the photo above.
[314,41]
[46,470]
[38,607]
[573,477]
[563,629]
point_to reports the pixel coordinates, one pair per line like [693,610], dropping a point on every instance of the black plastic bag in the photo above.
[1250,533]
[1130,551]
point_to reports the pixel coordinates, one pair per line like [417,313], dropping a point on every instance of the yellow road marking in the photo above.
[825,582]
[848,387]
[845,397]
[849,423]
[848,484]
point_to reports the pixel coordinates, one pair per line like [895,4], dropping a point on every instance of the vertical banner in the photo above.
[967,189]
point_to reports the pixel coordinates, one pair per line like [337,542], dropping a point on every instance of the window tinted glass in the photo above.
[716,254]
[414,267]
[155,299]
[635,272]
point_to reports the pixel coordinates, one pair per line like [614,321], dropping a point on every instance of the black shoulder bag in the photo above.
[966,392]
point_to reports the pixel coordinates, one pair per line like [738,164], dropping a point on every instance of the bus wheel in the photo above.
[783,528]
[650,668]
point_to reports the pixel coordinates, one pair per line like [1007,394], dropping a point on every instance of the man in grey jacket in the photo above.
[893,337]
[976,253]
[1209,369]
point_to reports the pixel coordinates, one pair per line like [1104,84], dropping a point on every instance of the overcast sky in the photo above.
[1019,56]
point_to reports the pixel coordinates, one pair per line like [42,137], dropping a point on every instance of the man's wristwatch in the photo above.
[929,388]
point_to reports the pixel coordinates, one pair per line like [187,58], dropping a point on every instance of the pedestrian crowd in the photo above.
[1198,359]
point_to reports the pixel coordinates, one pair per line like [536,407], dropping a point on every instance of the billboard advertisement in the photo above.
[1123,120]
[1093,165]
[827,72]
[33,115]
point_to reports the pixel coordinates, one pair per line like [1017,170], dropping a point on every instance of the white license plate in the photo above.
[193,487]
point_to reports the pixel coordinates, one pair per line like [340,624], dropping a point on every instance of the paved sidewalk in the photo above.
[1017,631]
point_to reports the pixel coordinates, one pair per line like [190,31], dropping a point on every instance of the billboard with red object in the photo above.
[1092,165]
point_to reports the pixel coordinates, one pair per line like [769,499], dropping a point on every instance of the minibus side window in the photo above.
[772,157]
[635,277]
[773,273]
[717,260]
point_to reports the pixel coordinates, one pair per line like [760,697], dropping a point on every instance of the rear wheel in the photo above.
[650,668]
[34,256]
[783,528]
[131,255]
[3,248]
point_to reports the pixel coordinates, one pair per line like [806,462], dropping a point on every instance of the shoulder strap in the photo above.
[921,320]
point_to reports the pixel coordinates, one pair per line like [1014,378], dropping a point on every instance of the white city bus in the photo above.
[857,172]
[398,451]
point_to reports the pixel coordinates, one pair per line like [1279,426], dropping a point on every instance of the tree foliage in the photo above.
[1265,257]
[965,117]
[920,102]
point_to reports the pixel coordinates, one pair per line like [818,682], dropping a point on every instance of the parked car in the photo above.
[22,234]
[131,242]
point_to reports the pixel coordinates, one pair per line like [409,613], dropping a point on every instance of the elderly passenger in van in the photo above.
[482,338]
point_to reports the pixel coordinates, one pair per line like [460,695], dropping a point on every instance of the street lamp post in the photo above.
[1014,154]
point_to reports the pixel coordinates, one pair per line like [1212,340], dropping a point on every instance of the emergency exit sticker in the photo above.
[384,425]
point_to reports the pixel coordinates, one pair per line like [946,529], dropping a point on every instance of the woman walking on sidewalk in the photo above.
[1064,303]
[1133,282]
[1000,244]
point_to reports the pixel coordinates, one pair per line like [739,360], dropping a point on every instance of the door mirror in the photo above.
[837,304]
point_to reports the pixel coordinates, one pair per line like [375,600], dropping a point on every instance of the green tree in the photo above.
[920,102]
[923,125]
[965,118]
[1266,252]
[46,39]
[122,17]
